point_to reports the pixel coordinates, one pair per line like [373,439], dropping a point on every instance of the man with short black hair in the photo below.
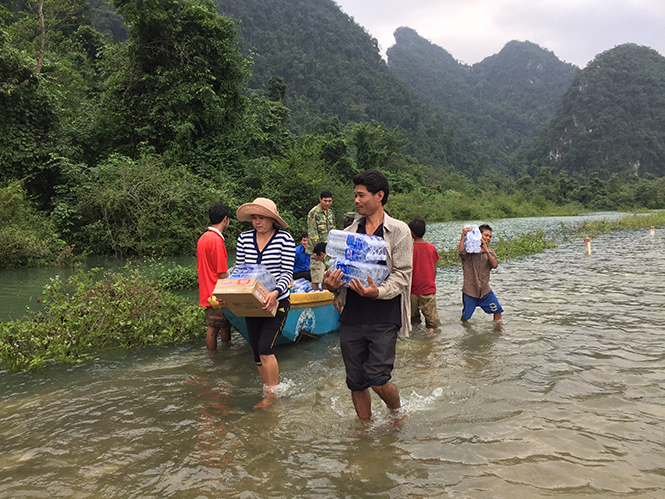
[476,267]
[373,317]
[301,263]
[211,265]
[320,221]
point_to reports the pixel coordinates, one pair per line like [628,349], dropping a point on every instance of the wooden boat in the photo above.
[311,315]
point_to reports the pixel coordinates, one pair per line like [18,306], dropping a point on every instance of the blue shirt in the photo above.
[302,259]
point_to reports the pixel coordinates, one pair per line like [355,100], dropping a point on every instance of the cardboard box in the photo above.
[243,297]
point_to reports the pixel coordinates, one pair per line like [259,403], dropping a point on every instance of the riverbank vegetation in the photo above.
[94,311]
[119,148]
[527,244]
[592,228]
[506,248]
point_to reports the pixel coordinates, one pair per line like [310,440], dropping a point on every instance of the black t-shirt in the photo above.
[362,310]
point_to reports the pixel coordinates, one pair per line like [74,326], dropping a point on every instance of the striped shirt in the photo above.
[277,256]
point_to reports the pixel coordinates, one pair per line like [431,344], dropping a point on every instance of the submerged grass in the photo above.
[526,244]
[593,228]
[173,276]
[94,311]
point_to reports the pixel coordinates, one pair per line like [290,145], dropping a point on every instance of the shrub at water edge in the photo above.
[94,311]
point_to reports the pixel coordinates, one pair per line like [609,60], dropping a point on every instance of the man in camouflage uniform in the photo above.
[320,221]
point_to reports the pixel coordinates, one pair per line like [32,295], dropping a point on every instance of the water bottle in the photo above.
[254,271]
[356,247]
[301,286]
[473,239]
[360,270]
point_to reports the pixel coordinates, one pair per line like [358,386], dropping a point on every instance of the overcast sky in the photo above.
[575,30]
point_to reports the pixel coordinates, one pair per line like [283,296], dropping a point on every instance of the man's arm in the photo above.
[312,232]
[402,266]
[461,249]
[491,258]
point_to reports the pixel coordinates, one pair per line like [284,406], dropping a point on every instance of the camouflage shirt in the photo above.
[318,226]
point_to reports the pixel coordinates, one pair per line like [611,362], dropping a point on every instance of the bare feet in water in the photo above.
[269,397]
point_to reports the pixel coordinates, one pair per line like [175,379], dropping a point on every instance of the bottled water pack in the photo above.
[356,247]
[254,271]
[360,270]
[301,286]
[473,239]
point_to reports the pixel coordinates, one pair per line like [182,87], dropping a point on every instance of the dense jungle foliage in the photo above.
[333,70]
[119,147]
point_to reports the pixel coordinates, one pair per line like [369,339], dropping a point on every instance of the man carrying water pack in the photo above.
[373,317]
[476,291]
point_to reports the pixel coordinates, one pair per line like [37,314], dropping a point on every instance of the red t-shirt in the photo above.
[210,262]
[425,257]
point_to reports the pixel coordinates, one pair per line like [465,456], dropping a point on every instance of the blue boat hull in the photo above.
[311,314]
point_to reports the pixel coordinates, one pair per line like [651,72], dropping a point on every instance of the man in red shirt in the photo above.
[211,265]
[423,286]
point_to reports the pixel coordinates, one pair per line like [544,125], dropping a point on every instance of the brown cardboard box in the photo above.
[243,297]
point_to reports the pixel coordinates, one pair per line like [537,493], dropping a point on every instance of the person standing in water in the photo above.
[374,316]
[270,245]
[211,265]
[476,267]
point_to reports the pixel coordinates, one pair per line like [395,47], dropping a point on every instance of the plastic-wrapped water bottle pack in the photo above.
[357,256]
[254,271]
[473,239]
[301,286]
[356,247]
[360,270]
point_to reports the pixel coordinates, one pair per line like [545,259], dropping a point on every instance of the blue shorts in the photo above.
[488,303]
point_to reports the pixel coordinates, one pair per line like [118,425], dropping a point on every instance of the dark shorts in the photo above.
[262,332]
[368,351]
[215,318]
[489,303]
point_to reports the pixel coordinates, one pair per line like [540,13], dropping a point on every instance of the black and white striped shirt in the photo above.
[278,256]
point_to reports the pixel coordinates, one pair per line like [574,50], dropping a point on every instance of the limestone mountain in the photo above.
[502,103]
[612,118]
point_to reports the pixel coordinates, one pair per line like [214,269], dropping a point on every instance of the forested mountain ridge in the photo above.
[502,103]
[612,118]
[332,69]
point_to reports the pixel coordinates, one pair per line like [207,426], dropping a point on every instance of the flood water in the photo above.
[566,400]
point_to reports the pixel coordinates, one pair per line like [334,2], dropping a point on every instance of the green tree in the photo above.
[136,207]
[177,85]
[29,120]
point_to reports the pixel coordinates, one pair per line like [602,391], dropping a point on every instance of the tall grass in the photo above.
[477,205]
